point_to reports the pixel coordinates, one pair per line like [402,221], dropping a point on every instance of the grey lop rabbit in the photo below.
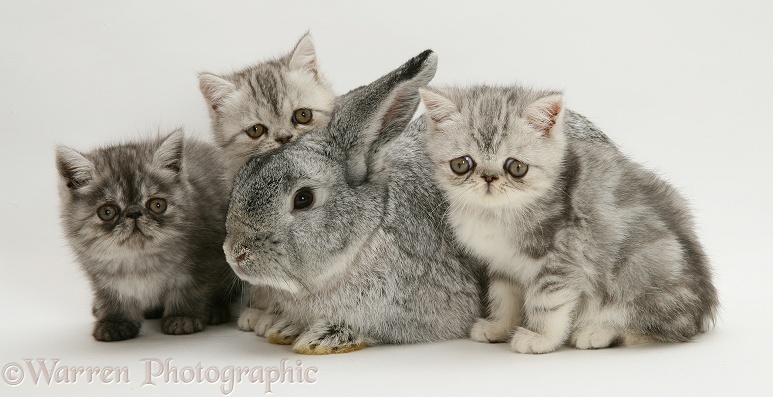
[348,224]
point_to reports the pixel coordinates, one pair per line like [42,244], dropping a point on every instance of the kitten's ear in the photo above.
[370,116]
[439,108]
[304,57]
[545,113]
[170,154]
[215,89]
[76,170]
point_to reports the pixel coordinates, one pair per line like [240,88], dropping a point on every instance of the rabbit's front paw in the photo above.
[264,323]
[328,338]
[248,318]
[489,331]
[283,333]
[528,341]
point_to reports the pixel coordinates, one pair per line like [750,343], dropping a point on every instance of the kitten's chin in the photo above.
[492,198]
[135,239]
[141,239]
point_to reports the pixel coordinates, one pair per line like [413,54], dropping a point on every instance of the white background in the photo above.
[684,87]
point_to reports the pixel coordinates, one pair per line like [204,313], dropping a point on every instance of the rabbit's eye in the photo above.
[462,165]
[516,168]
[302,116]
[256,131]
[303,199]
[107,212]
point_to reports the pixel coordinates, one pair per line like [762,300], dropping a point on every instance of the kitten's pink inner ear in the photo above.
[545,113]
[304,57]
[169,154]
[214,89]
[73,167]
[439,108]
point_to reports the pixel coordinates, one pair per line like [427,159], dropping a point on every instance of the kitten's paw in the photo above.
[283,333]
[595,338]
[181,325]
[327,338]
[527,341]
[219,315]
[488,331]
[111,331]
[249,318]
[265,322]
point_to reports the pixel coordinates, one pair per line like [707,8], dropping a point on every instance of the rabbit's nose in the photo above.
[241,257]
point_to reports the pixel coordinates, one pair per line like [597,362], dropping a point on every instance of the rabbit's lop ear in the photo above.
[372,115]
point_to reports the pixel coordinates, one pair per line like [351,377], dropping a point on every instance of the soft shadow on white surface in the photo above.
[683,88]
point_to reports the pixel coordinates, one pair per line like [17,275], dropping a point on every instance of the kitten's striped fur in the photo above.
[588,247]
[266,93]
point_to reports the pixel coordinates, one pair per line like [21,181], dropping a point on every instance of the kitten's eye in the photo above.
[302,116]
[256,131]
[107,212]
[156,205]
[462,165]
[303,199]
[516,168]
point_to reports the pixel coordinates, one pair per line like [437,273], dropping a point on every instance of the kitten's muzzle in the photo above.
[489,178]
[283,139]
[133,212]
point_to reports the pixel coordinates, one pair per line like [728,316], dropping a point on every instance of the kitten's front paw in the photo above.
[595,338]
[181,325]
[265,322]
[489,331]
[219,315]
[283,333]
[327,338]
[527,341]
[111,331]
[248,318]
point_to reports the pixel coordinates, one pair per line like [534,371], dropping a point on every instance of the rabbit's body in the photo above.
[371,260]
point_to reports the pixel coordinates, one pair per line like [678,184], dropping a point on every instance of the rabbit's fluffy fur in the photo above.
[372,259]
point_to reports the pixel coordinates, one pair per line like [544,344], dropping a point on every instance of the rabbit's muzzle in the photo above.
[250,256]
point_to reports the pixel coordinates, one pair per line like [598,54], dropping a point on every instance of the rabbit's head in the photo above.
[298,216]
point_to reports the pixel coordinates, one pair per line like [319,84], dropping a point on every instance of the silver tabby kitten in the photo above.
[259,109]
[146,221]
[262,107]
[582,244]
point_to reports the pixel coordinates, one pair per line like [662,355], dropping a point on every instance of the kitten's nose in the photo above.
[283,138]
[133,211]
[490,178]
